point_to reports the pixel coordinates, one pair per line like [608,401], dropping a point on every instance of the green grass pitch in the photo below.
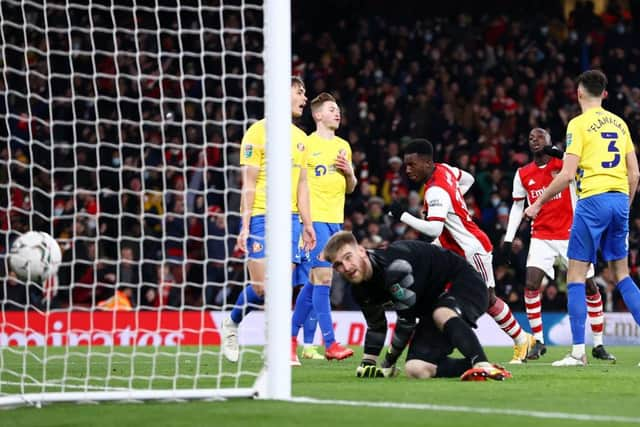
[601,394]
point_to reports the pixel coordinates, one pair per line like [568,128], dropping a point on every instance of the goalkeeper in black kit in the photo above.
[438,298]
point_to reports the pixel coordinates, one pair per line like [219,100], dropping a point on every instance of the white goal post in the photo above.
[120,129]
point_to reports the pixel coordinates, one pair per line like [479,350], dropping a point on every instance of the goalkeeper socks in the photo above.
[631,296]
[247,301]
[450,367]
[309,328]
[464,339]
[322,307]
[577,307]
[596,317]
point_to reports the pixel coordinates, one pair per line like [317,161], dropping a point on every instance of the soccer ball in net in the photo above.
[35,256]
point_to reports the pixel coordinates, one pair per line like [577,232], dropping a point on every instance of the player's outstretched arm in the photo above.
[559,183]
[632,174]
[553,151]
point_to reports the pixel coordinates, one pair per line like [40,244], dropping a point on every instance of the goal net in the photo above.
[120,128]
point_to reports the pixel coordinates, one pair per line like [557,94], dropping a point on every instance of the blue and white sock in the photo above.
[301,311]
[322,307]
[249,297]
[577,307]
[631,296]
[309,329]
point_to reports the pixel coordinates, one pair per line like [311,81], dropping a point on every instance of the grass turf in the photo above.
[601,389]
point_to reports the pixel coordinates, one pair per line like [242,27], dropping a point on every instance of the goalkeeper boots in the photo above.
[311,352]
[338,352]
[230,348]
[537,350]
[484,371]
[599,352]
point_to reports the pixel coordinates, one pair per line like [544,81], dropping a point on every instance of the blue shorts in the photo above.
[301,271]
[600,222]
[256,243]
[324,231]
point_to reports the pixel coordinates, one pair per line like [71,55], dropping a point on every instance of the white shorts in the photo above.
[543,255]
[483,263]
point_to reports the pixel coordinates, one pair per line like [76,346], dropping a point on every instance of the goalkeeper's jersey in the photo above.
[432,267]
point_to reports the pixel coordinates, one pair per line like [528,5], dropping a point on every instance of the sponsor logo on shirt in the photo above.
[248,151]
[320,170]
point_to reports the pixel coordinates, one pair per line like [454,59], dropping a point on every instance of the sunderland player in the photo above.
[448,220]
[549,238]
[330,177]
[438,297]
[253,205]
[601,157]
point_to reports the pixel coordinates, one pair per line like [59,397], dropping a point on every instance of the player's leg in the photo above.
[427,356]
[252,296]
[595,313]
[540,260]
[303,306]
[321,275]
[299,274]
[587,229]
[615,250]
[310,351]
[501,312]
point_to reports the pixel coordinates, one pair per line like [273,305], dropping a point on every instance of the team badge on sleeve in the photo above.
[569,139]
[248,151]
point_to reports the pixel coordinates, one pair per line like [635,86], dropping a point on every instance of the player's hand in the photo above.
[368,369]
[553,151]
[308,237]
[396,210]
[508,253]
[241,243]
[532,211]
[343,165]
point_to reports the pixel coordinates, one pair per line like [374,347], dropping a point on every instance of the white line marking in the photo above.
[475,410]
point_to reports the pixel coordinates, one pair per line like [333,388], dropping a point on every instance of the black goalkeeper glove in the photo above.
[368,369]
[553,151]
[396,210]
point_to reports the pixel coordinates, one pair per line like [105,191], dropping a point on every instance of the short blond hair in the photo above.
[337,242]
[317,102]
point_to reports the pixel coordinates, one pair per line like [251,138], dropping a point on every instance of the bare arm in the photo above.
[248,195]
[304,208]
[632,174]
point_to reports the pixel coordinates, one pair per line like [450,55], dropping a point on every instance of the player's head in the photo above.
[325,111]
[418,160]
[592,84]
[538,138]
[298,98]
[348,258]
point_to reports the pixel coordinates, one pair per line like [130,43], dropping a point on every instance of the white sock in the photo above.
[578,350]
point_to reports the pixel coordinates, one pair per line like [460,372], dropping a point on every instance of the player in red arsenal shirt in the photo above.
[549,238]
[448,221]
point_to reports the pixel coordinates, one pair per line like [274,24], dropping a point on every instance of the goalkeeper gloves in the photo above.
[368,369]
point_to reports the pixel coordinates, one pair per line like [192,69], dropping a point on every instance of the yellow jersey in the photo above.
[327,185]
[252,153]
[601,140]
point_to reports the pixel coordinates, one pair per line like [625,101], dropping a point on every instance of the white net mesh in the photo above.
[120,124]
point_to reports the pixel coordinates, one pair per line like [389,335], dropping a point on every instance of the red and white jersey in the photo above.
[443,201]
[555,218]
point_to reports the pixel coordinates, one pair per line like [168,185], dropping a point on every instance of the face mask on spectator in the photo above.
[495,201]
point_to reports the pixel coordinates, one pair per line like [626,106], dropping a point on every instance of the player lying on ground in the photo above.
[437,296]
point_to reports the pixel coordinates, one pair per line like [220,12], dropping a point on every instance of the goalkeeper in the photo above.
[438,298]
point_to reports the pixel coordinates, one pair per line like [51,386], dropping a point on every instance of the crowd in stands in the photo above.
[124,144]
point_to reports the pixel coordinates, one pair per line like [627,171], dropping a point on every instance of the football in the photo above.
[35,256]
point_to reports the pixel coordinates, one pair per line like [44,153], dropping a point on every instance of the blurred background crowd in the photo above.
[122,142]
